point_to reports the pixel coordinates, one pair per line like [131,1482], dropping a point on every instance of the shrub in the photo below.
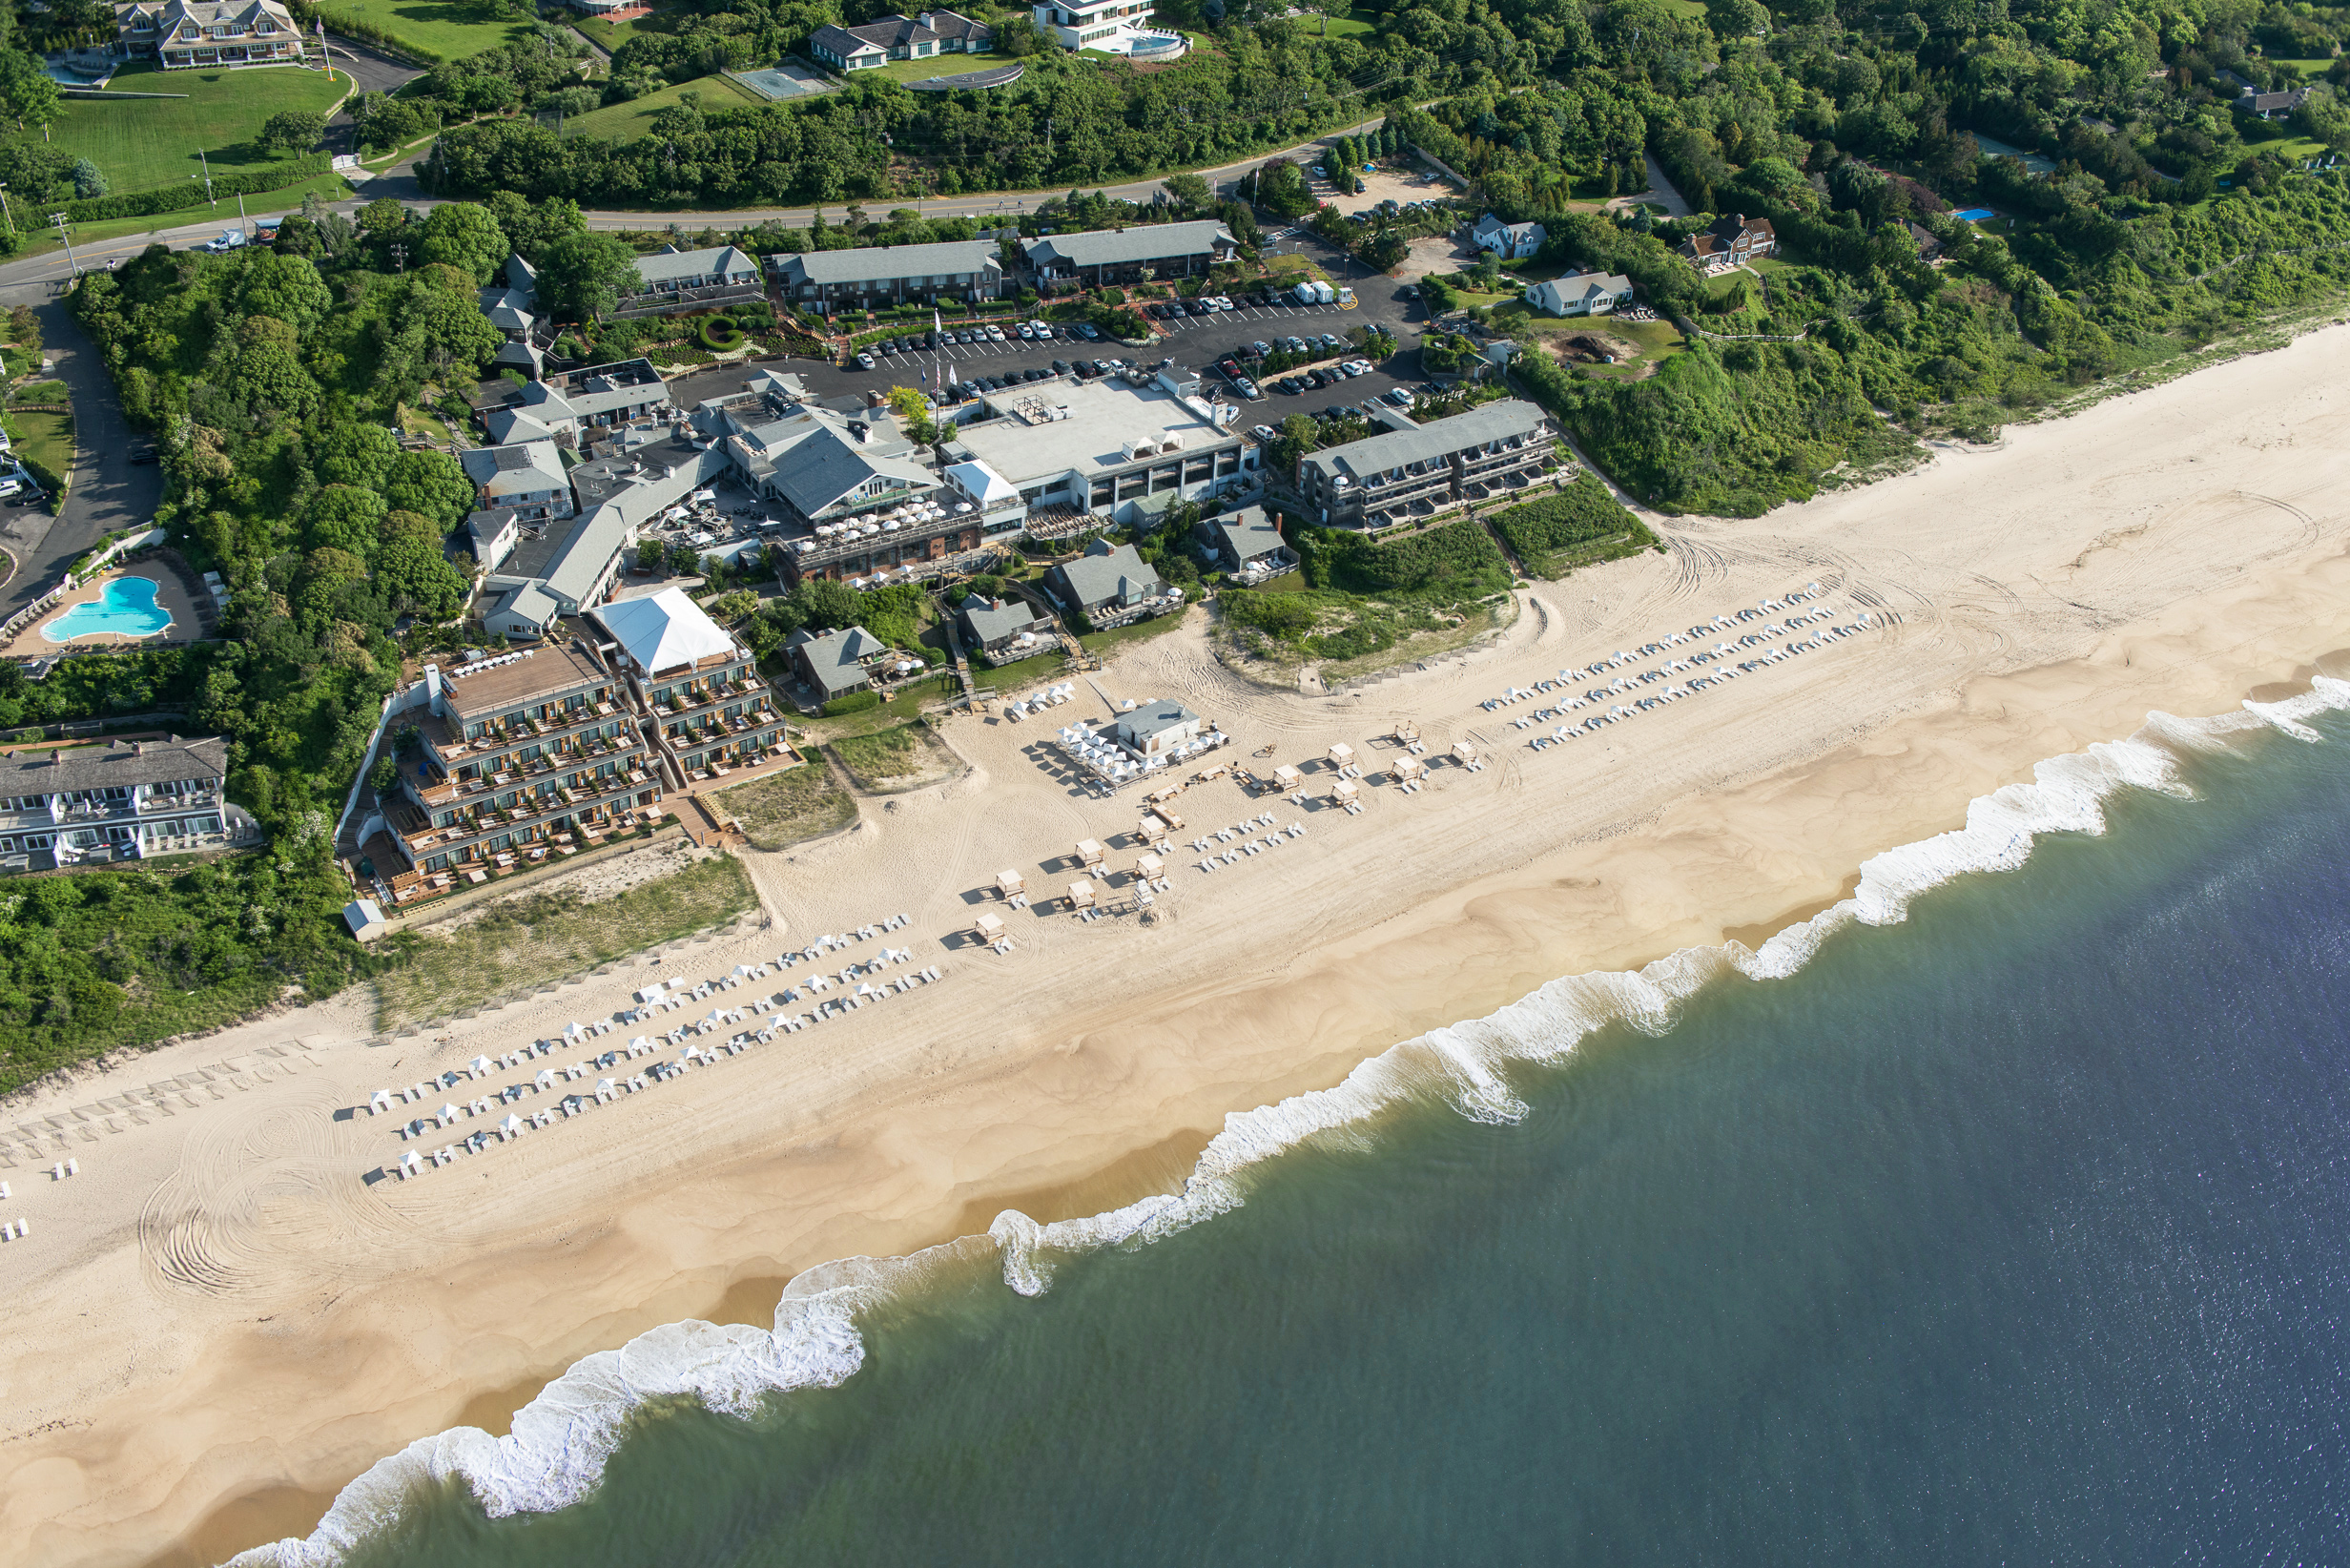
[1583,517]
[719,333]
[855,702]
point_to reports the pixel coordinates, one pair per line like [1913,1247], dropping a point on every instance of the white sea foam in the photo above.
[560,1441]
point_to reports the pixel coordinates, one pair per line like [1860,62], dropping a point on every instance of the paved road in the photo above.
[106,492]
[373,72]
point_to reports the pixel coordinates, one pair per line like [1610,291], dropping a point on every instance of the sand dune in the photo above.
[218,1321]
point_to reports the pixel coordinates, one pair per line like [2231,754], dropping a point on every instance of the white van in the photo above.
[1323,293]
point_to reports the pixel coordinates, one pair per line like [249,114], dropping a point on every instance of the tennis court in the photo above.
[787,80]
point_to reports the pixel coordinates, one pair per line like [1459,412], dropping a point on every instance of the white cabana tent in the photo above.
[1342,755]
[1149,867]
[511,1128]
[1406,768]
[1090,852]
[1010,884]
[1081,894]
[988,927]
[1287,777]
[1346,792]
[1463,753]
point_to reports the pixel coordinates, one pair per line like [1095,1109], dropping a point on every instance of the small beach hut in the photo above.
[1150,868]
[988,928]
[1081,894]
[1345,792]
[1407,733]
[1090,854]
[1407,768]
[1152,828]
[1342,757]
[1287,777]
[1463,753]
[1010,884]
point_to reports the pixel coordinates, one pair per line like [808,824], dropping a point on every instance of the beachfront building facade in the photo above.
[1416,472]
[182,35]
[1114,27]
[518,754]
[672,279]
[1157,727]
[1246,543]
[871,44]
[1123,256]
[948,271]
[1110,585]
[1074,450]
[1010,627]
[526,478]
[707,712]
[71,805]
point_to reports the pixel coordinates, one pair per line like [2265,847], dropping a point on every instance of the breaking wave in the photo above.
[555,1454]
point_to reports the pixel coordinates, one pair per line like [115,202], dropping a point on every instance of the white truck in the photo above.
[1304,293]
[1323,293]
[231,239]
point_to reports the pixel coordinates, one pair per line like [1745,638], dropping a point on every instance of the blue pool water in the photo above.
[126,608]
[1974,215]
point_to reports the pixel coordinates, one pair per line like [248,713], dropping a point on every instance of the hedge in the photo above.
[176,198]
[855,702]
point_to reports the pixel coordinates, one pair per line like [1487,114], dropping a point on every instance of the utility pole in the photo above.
[240,213]
[399,257]
[58,218]
[207,163]
[5,216]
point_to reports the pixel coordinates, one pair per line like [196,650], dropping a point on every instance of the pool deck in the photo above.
[173,595]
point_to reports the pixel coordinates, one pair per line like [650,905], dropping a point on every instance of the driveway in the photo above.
[374,71]
[108,493]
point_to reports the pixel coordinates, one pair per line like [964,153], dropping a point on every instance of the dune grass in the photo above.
[787,808]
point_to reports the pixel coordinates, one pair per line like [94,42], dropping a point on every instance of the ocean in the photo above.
[2001,1219]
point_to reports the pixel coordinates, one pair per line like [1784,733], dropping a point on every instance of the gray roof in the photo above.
[117,765]
[886,263]
[531,603]
[522,465]
[604,532]
[1154,717]
[894,31]
[718,262]
[513,425]
[1245,534]
[1430,442]
[1118,248]
[1105,572]
[837,658]
[990,619]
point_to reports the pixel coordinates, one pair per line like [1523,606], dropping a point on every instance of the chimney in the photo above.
[432,689]
[138,748]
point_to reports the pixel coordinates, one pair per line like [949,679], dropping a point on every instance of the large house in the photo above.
[1246,542]
[1422,469]
[2269,106]
[1510,242]
[1108,584]
[672,279]
[1121,256]
[526,479]
[67,805]
[870,45]
[1002,627]
[1732,242]
[967,270]
[520,754]
[708,711]
[1112,26]
[511,302]
[185,33]
[1580,294]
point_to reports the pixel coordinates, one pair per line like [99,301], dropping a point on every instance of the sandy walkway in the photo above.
[217,1323]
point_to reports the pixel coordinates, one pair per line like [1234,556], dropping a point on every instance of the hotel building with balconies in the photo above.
[123,800]
[1422,469]
[706,708]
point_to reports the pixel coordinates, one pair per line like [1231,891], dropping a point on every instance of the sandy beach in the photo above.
[218,1323]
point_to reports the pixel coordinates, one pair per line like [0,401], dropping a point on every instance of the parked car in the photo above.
[1229,365]
[1061,367]
[1290,384]
[864,361]
[1258,350]
[1264,432]
[1332,342]
[1246,388]
[1087,331]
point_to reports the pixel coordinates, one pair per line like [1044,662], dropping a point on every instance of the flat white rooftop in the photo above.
[1103,427]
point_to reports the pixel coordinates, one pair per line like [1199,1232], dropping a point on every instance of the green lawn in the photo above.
[922,70]
[44,441]
[451,28]
[142,143]
[1354,24]
[627,122]
[1108,643]
[611,35]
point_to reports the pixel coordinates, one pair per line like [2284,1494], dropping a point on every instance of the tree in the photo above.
[413,575]
[466,237]
[26,90]
[353,453]
[581,276]
[343,517]
[292,130]
[650,554]
[383,218]
[912,411]
[89,179]
[1736,19]
[431,484]
[1189,191]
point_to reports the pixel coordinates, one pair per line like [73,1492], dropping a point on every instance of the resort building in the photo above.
[1581,294]
[1106,448]
[1246,543]
[511,302]
[838,663]
[707,711]
[1109,585]
[518,754]
[871,43]
[672,279]
[119,801]
[1420,470]
[1010,627]
[526,478]
[571,405]
[211,33]
[1510,242]
[966,270]
[1121,256]
[995,498]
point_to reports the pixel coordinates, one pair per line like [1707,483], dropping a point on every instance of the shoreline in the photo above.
[2026,636]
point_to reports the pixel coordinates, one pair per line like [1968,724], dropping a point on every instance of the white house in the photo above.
[1510,242]
[1580,294]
